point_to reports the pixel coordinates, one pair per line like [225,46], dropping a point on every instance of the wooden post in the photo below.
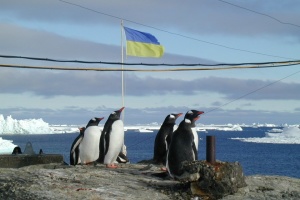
[210,149]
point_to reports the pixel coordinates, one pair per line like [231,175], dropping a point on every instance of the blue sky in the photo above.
[200,31]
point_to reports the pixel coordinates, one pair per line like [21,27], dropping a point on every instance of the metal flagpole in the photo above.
[122,53]
[123,149]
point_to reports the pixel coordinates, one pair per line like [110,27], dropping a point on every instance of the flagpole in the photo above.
[123,149]
[122,57]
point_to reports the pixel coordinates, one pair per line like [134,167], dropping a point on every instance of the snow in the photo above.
[288,135]
[227,127]
[9,125]
[6,146]
[32,126]
[27,126]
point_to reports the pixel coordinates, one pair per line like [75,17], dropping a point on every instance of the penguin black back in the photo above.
[162,139]
[193,116]
[182,148]
[74,152]
[105,136]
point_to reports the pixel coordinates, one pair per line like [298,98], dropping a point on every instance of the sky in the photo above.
[192,32]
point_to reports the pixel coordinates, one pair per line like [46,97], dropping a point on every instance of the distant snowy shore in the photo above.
[288,134]
[9,125]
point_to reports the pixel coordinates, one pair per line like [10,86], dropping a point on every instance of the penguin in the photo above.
[17,150]
[112,139]
[183,145]
[89,146]
[193,116]
[122,158]
[163,138]
[29,149]
[74,152]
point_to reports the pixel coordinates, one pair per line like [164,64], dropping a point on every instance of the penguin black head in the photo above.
[17,150]
[192,116]
[94,121]
[116,114]
[171,118]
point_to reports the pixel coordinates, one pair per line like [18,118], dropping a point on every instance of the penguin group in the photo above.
[94,145]
[173,145]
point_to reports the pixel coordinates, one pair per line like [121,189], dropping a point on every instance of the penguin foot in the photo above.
[163,169]
[111,166]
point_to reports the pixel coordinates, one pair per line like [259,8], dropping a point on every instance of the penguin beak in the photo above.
[178,115]
[100,118]
[200,112]
[121,109]
[118,112]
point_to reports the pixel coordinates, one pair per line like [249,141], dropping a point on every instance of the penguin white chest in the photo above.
[89,146]
[116,141]
[196,138]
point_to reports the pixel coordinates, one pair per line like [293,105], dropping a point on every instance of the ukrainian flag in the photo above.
[142,44]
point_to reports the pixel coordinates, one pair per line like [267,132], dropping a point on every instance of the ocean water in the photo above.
[255,157]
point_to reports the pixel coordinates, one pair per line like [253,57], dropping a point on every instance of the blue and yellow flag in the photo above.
[142,44]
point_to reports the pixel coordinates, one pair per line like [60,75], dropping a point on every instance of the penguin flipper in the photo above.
[76,144]
[107,139]
[195,151]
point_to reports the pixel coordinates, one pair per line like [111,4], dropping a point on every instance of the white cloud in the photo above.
[54,29]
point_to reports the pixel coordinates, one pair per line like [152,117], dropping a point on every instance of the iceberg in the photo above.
[9,125]
[227,127]
[288,135]
[6,146]
[27,126]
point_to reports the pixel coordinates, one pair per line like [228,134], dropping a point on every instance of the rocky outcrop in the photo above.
[214,180]
[21,160]
[129,181]
[268,187]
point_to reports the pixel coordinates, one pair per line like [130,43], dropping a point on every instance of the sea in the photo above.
[244,146]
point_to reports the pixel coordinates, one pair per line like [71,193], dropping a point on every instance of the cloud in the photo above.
[36,43]
[80,116]
[48,29]
[82,83]
[22,41]
[197,17]
[234,88]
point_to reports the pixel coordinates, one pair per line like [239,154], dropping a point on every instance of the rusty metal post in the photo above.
[210,149]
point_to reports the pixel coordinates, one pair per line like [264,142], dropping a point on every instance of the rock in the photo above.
[129,181]
[214,180]
[268,187]
[21,160]
[54,181]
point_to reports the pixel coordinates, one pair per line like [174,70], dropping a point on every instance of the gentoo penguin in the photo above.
[163,137]
[17,150]
[183,146]
[74,152]
[28,149]
[122,157]
[193,116]
[112,139]
[89,146]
